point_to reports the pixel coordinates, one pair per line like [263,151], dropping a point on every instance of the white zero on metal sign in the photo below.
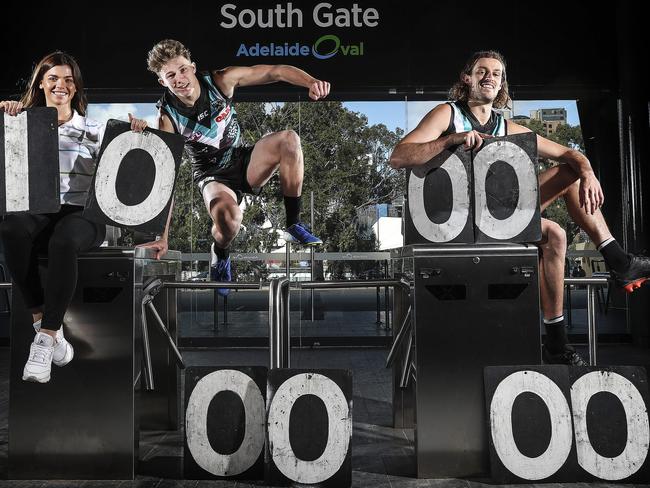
[106,178]
[557,452]
[196,421]
[633,456]
[456,222]
[524,168]
[339,428]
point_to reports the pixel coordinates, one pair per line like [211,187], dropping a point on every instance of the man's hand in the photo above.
[11,107]
[159,247]
[319,89]
[591,194]
[137,125]
[470,140]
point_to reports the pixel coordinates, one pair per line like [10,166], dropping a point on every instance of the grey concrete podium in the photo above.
[84,423]
[472,306]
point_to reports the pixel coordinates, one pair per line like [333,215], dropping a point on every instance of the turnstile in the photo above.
[472,306]
[84,423]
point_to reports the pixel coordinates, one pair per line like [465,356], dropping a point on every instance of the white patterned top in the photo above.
[79,141]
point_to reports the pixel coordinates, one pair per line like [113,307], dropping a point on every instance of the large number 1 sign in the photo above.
[484,197]
[29,162]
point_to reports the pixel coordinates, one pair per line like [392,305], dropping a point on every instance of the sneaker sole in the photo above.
[631,286]
[36,379]
[69,354]
[289,238]
[308,244]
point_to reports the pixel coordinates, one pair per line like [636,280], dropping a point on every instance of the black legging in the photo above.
[63,236]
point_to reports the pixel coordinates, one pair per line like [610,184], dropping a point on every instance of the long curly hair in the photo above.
[460,90]
[34,96]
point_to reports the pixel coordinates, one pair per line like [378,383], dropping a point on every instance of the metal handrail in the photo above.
[408,366]
[399,337]
[586,281]
[198,285]
[5,285]
[592,333]
[326,285]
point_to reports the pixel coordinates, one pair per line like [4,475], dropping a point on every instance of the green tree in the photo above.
[346,166]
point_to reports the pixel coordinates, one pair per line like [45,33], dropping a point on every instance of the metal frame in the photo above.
[279,330]
[592,333]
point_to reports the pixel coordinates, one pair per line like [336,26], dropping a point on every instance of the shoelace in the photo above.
[40,353]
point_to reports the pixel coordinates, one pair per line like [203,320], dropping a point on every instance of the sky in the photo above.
[408,115]
[392,114]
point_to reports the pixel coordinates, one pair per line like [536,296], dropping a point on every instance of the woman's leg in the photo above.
[72,234]
[19,233]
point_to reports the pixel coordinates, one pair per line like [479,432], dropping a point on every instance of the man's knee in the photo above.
[555,237]
[227,216]
[289,143]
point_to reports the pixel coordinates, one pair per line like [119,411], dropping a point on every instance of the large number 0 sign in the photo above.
[489,196]
[135,178]
[605,412]
[307,419]
[29,162]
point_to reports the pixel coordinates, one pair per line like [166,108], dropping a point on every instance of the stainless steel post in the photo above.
[378,322]
[225,311]
[312,256]
[146,351]
[288,258]
[406,366]
[215,310]
[285,336]
[401,334]
[170,341]
[591,324]
[386,309]
[274,325]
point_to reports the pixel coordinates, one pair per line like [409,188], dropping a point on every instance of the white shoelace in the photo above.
[40,353]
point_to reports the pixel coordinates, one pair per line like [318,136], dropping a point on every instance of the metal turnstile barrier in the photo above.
[402,356]
[470,306]
[84,423]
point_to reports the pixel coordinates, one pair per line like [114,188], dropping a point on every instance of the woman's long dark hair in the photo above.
[460,90]
[34,96]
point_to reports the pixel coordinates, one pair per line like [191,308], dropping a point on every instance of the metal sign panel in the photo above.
[309,427]
[224,422]
[29,162]
[439,201]
[567,424]
[491,195]
[135,178]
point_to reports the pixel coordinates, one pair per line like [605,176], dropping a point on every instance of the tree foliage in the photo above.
[346,167]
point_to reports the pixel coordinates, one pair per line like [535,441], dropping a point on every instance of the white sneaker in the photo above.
[39,364]
[63,350]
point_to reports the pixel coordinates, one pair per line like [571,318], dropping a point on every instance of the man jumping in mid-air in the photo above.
[200,109]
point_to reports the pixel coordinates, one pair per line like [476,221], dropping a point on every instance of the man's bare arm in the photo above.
[591,193]
[424,142]
[228,79]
